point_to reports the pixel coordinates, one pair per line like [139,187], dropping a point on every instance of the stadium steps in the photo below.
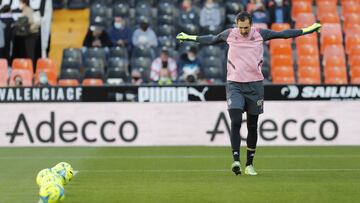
[68,30]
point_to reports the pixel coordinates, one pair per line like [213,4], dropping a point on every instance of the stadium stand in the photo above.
[329,57]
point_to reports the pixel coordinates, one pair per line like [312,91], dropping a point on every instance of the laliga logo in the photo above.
[290,91]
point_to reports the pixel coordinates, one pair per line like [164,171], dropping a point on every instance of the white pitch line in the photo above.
[177,157]
[218,170]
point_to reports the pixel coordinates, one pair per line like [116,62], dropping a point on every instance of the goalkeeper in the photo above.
[245,89]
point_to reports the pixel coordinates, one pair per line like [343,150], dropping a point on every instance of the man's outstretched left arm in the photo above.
[269,34]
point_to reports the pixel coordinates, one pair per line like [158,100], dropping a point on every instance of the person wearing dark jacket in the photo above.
[279,11]
[97,37]
[119,32]
[7,21]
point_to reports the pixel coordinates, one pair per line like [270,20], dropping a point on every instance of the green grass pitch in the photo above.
[186,174]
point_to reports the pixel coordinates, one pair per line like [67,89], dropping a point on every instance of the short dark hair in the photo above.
[242,16]
[26,2]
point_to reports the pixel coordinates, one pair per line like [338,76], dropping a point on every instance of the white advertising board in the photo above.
[175,124]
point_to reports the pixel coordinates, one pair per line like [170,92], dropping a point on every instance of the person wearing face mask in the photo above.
[279,11]
[119,32]
[210,17]
[190,70]
[43,80]
[245,88]
[144,36]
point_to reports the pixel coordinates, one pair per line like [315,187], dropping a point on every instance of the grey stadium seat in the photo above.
[121,9]
[98,53]
[117,62]
[94,63]
[72,53]
[94,73]
[69,73]
[71,63]
[121,52]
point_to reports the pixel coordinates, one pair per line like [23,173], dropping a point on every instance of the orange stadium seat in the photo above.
[280,49]
[355,80]
[280,26]
[330,35]
[309,72]
[26,76]
[329,1]
[280,41]
[307,39]
[355,71]
[324,8]
[309,75]
[281,60]
[350,7]
[92,82]
[51,76]
[24,64]
[351,40]
[307,49]
[354,51]
[334,60]
[305,20]
[334,50]
[68,82]
[336,80]
[351,22]
[4,75]
[282,71]
[329,18]
[354,60]
[309,81]
[283,80]
[334,71]
[45,63]
[300,7]
[306,60]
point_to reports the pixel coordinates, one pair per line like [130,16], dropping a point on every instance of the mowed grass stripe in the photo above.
[180,157]
[217,170]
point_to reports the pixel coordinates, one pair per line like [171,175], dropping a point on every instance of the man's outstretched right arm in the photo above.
[205,39]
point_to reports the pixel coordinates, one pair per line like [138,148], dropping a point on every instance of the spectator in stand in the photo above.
[259,14]
[6,22]
[136,77]
[163,62]
[210,16]
[279,11]
[43,80]
[120,33]
[96,35]
[165,77]
[144,36]
[188,14]
[189,67]
[18,81]
[31,40]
